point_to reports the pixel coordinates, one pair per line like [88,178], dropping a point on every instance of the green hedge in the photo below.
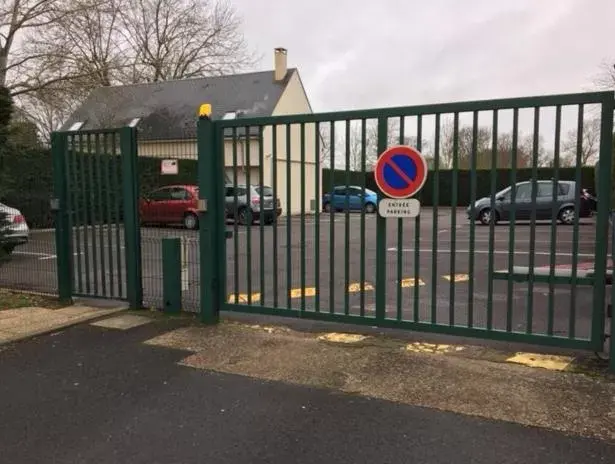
[444,180]
[26,183]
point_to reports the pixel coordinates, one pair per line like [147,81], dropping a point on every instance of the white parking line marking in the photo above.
[31,253]
[496,252]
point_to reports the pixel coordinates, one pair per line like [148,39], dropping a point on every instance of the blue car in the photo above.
[350,197]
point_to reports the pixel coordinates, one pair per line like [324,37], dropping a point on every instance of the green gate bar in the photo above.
[529,316]
[62,209]
[602,220]
[575,233]
[261,218]
[493,180]
[417,230]
[552,258]
[362,226]
[276,196]
[317,205]
[347,220]
[132,232]
[289,268]
[381,234]
[302,179]
[400,240]
[434,226]
[454,200]
[100,213]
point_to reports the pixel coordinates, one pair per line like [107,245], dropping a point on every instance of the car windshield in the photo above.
[267,191]
[503,192]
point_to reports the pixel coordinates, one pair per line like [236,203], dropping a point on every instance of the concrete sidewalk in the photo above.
[21,323]
[531,389]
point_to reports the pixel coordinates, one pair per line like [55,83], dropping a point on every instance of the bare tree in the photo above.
[482,149]
[606,77]
[23,67]
[89,39]
[590,143]
[48,108]
[173,39]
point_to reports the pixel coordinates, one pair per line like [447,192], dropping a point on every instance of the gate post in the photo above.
[61,208]
[381,235]
[211,218]
[602,221]
[132,231]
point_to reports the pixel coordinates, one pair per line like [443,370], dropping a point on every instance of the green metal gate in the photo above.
[96,212]
[439,272]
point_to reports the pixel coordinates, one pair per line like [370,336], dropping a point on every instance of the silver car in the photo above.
[17,231]
[248,207]
[544,207]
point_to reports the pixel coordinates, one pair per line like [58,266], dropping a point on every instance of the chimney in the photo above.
[280,64]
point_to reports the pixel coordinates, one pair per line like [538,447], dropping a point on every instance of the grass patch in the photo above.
[12,300]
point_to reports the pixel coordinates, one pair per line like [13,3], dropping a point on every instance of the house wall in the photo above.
[187,149]
[290,169]
[294,101]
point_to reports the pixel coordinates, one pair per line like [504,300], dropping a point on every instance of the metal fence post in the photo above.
[602,221]
[210,225]
[132,232]
[61,207]
[610,348]
[381,236]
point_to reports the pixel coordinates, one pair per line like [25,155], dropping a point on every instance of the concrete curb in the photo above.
[90,316]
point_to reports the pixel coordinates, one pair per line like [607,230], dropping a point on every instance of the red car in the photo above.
[172,204]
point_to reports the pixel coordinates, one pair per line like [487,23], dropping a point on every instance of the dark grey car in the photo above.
[545,208]
[249,207]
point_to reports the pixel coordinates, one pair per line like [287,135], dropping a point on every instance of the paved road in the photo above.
[90,395]
[284,261]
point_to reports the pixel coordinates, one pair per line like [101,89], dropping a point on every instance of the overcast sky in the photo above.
[355,55]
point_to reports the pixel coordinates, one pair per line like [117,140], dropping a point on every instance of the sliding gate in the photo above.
[533,272]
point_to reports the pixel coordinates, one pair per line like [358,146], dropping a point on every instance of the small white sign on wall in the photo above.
[169,167]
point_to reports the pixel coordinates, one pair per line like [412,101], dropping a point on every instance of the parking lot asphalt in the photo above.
[317,263]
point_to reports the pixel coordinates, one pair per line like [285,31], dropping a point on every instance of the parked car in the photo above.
[17,232]
[351,196]
[172,204]
[544,207]
[243,204]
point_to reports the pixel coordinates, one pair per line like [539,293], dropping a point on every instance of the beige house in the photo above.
[165,114]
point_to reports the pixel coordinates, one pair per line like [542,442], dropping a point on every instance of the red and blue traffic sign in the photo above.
[400,171]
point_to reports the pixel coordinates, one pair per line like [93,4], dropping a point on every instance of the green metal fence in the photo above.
[96,214]
[527,279]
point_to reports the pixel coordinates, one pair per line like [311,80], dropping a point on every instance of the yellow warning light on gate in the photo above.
[205,110]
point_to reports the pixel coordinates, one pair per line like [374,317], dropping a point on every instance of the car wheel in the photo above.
[244,217]
[191,222]
[370,208]
[485,216]
[327,208]
[567,216]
